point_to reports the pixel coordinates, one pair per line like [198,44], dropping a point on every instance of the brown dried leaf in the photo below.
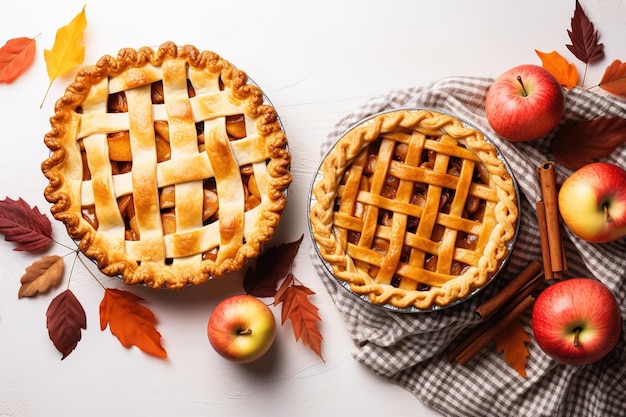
[65,319]
[272,266]
[614,78]
[41,276]
[584,37]
[132,323]
[580,143]
[303,314]
[512,342]
[24,225]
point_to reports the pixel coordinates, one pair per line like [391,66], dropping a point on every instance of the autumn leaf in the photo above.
[132,323]
[584,37]
[16,56]
[272,266]
[304,316]
[579,143]
[67,51]
[512,342]
[614,78]
[24,225]
[65,319]
[41,276]
[564,72]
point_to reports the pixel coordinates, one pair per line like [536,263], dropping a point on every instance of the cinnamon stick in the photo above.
[547,180]
[543,239]
[492,331]
[522,280]
[497,309]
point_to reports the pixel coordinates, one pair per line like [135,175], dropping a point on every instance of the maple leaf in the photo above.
[132,323]
[564,72]
[67,51]
[614,78]
[41,276]
[24,225]
[65,318]
[584,37]
[579,143]
[272,266]
[16,56]
[512,342]
[304,316]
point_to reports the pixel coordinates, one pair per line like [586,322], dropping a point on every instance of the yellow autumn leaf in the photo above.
[67,51]
[564,72]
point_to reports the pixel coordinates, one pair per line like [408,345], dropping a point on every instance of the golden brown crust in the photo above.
[386,261]
[192,254]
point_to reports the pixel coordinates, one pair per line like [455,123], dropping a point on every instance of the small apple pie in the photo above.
[166,165]
[413,209]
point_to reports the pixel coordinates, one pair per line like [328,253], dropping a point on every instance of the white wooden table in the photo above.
[317,61]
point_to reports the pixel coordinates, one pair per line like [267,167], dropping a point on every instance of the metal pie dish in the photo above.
[327,267]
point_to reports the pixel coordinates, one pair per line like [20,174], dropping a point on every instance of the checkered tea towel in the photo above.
[409,349]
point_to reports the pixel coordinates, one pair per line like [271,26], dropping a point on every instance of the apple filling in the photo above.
[421,195]
[121,160]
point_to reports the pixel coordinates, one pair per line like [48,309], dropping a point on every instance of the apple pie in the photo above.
[413,209]
[166,165]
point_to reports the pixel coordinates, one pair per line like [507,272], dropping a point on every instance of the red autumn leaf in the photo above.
[24,225]
[614,78]
[41,276]
[512,342]
[16,56]
[132,323]
[564,72]
[580,143]
[65,319]
[303,314]
[271,267]
[584,37]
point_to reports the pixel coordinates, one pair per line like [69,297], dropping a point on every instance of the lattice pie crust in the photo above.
[413,209]
[166,165]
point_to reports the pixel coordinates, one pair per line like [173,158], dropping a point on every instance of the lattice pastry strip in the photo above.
[167,165]
[422,206]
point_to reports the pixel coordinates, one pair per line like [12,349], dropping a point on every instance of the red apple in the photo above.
[241,328]
[576,321]
[592,202]
[524,103]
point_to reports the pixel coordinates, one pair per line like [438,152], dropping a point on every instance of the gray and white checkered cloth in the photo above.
[409,349]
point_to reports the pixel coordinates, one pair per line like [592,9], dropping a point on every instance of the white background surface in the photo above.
[317,61]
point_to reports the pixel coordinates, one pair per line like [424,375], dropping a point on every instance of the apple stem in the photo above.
[245,332]
[519,80]
[576,336]
[607,216]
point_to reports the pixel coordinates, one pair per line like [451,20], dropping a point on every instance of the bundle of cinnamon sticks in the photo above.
[552,251]
[518,295]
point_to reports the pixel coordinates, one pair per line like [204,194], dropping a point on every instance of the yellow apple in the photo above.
[592,202]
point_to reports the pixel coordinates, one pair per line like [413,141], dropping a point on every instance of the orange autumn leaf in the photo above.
[67,51]
[132,323]
[512,342]
[614,78]
[16,56]
[564,72]
[303,314]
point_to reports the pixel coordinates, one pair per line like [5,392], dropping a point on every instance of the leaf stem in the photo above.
[89,270]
